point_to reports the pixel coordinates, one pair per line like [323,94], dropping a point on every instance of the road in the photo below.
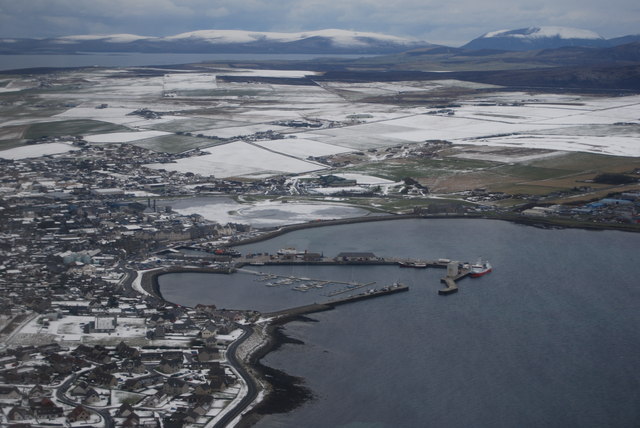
[252,387]
[61,397]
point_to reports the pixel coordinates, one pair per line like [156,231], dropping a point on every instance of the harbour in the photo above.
[542,327]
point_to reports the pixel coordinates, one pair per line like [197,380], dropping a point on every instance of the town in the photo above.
[83,343]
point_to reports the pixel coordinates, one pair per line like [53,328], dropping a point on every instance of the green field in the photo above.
[174,143]
[71,127]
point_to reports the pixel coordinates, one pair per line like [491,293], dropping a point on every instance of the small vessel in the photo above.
[480,268]
[410,264]
[289,251]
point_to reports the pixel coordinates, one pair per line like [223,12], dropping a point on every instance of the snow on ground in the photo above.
[526,125]
[116,115]
[337,190]
[36,150]
[124,137]
[237,131]
[302,148]
[70,328]
[238,159]
[271,73]
[365,179]
[270,213]
[189,81]
[614,145]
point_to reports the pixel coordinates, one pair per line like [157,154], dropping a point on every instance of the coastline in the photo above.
[284,392]
[544,223]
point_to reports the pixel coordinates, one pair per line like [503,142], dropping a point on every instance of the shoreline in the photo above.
[543,223]
[284,392]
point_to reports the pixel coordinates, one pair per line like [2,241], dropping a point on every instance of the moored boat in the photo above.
[480,268]
[410,264]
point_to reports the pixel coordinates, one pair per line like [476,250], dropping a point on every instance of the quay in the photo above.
[331,304]
[454,273]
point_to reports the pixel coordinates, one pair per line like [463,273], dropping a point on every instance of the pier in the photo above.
[331,304]
[455,272]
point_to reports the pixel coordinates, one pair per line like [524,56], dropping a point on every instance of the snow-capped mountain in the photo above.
[537,38]
[223,41]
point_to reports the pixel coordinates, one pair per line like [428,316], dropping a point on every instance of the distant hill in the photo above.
[535,38]
[220,41]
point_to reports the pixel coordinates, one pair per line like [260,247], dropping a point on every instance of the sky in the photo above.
[448,22]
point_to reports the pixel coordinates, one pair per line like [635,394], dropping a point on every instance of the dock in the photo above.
[450,282]
[452,287]
[455,270]
[331,304]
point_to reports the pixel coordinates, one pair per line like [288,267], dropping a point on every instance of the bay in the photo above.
[127,59]
[549,338]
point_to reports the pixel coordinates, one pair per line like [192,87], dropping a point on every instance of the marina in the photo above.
[455,270]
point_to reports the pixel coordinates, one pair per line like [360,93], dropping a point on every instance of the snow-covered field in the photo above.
[267,213]
[239,159]
[301,147]
[36,150]
[215,107]
[237,131]
[189,82]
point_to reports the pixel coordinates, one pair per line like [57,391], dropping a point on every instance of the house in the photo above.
[169,366]
[175,386]
[19,414]
[133,365]
[157,333]
[110,368]
[65,364]
[10,393]
[80,413]
[142,382]
[102,379]
[209,330]
[80,389]
[97,354]
[91,397]
[202,404]
[125,351]
[37,392]
[124,410]
[132,421]
[208,354]
[45,409]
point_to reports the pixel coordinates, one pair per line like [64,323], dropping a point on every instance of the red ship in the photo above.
[480,268]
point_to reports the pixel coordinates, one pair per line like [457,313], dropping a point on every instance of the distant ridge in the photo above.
[328,41]
[535,38]
[220,41]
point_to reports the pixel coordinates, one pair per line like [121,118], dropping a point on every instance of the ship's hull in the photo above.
[479,273]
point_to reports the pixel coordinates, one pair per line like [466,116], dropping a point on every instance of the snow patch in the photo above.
[544,32]
[238,159]
[36,150]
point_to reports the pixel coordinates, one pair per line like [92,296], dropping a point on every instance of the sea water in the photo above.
[549,338]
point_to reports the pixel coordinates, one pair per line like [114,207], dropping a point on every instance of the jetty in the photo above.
[332,303]
[455,272]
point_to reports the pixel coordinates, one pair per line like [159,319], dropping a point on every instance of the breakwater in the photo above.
[332,303]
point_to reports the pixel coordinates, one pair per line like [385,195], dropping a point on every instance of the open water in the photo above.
[549,339]
[126,59]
